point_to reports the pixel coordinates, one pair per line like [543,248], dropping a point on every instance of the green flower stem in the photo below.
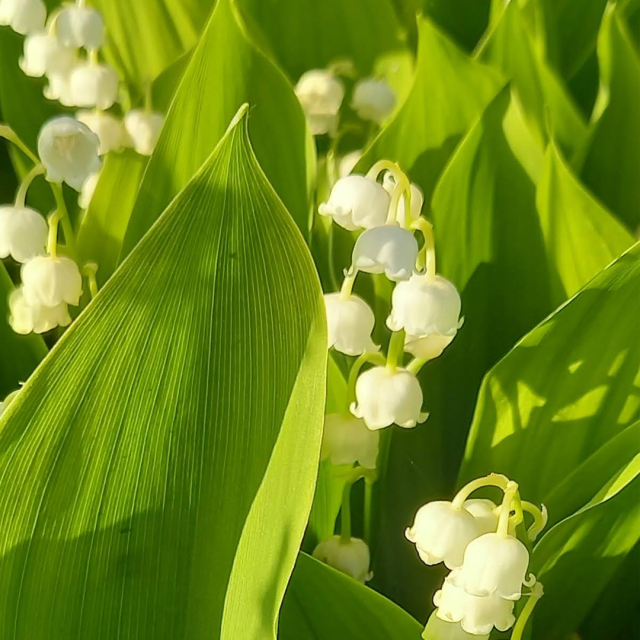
[345,513]
[347,285]
[52,239]
[90,270]
[540,519]
[21,195]
[395,351]
[492,480]
[380,166]
[535,595]
[505,509]
[416,365]
[368,508]
[376,358]
[427,255]
[67,228]
[9,134]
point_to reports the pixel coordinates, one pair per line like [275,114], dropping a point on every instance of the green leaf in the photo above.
[566,389]
[612,154]
[199,114]
[580,235]
[323,604]
[140,462]
[465,20]
[105,222]
[19,355]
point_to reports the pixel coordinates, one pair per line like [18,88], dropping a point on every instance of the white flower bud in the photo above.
[25,317]
[438,629]
[373,99]
[493,564]
[49,280]
[347,440]
[348,162]
[350,322]
[357,202]
[43,54]
[68,150]
[87,191]
[425,305]
[441,533]
[385,397]
[321,94]
[78,26]
[351,558]
[476,615]
[23,16]
[108,128]
[387,249]
[144,129]
[417,197]
[484,512]
[23,233]
[93,85]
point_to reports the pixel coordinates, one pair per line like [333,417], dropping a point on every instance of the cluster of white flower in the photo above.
[321,93]
[424,318]
[477,540]
[64,48]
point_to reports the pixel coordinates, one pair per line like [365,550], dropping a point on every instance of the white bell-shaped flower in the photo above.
[68,150]
[425,305]
[59,89]
[385,397]
[427,347]
[93,85]
[441,533]
[350,322]
[108,128]
[438,629]
[347,440]
[357,202]
[417,197]
[348,162]
[321,94]
[43,54]
[25,317]
[80,26]
[87,191]
[387,249]
[373,99]
[144,129]
[485,514]
[476,614]
[50,280]
[352,557]
[23,16]
[23,233]
[493,564]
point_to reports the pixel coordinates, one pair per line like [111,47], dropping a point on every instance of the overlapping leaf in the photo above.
[162,429]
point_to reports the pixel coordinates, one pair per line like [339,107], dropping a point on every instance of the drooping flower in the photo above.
[484,512]
[23,16]
[23,233]
[78,26]
[476,614]
[350,322]
[347,440]
[93,85]
[108,128]
[427,347]
[417,197]
[144,129]
[441,533]
[50,280]
[59,88]
[26,317]
[438,629]
[350,557]
[385,397]
[43,54]
[348,162]
[387,249]
[321,94]
[68,150]
[87,191]
[356,202]
[493,564]
[373,99]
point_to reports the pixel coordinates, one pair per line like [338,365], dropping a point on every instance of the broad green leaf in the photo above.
[19,355]
[200,111]
[140,458]
[323,604]
[105,222]
[450,91]
[613,155]
[145,36]
[566,389]
[580,235]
